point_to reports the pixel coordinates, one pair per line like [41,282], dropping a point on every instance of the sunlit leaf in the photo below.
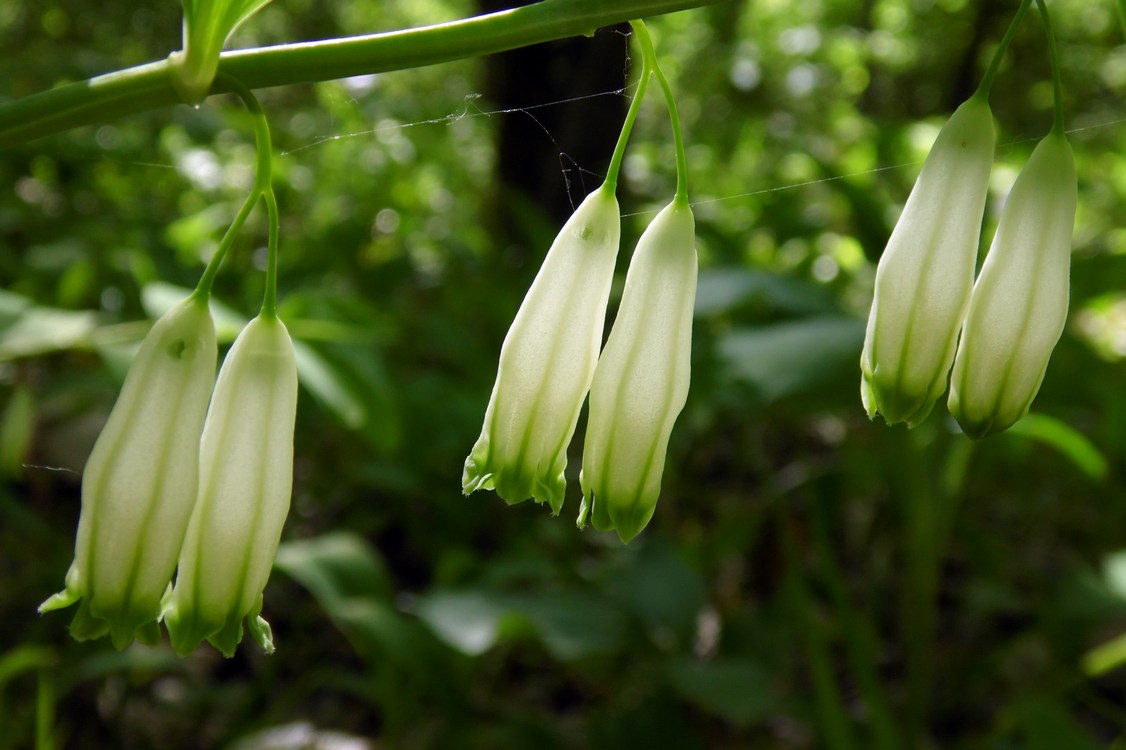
[28,330]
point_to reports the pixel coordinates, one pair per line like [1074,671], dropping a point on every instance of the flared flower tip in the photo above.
[1020,301]
[925,274]
[642,379]
[547,362]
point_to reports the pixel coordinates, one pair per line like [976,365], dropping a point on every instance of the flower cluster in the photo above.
[550,359]
[1009,319]
[153,494]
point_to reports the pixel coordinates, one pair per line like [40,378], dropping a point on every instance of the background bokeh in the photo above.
[810,579]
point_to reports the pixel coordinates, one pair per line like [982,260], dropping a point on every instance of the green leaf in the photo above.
[663,592]
[342,366]
[23,659]
[722,290]
[17,422]
[1067,440]
[1047,725]
[737,690]
[570,624]
[1105,657]
[28,330]
[574,624]
[347,577]
[351,383]
[794,357]
[467,620]
[335,568]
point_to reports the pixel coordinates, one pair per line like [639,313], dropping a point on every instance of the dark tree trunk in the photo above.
[553,156]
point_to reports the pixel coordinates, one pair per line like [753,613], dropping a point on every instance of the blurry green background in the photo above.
[810,579]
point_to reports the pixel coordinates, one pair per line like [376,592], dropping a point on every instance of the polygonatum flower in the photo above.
[139,484]
[1019,303]
[925,274]
[246,476]
[642,378]
[207,24]
[547,362]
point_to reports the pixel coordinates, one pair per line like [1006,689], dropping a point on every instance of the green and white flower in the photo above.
[547,362]
[642,379]
[139,484]
[925,274]
[1020,300]
[246,478]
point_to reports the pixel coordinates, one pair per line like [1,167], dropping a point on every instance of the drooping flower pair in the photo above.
[550,359]
[1009,320]
[155,499]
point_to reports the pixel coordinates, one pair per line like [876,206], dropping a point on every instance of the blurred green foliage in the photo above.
[810,579]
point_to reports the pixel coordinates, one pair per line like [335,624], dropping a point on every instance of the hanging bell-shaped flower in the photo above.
[139,484]
[547,362]
[246,477]
[642,379]
[1019,303]
[925,274]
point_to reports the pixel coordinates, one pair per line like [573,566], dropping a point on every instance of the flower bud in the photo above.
[642,379]
[1019,303]
[246,477]
[925,274]
[139,484]
[547,362]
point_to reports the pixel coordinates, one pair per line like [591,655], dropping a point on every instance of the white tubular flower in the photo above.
[1019,303]
[139,484]
[925,275]
[642,379]
[547,362]
[246,477]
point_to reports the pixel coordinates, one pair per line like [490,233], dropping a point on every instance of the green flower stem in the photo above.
[1057,84]
[45,711]
[147,87]
[995,63]
[678,137]
[262,187]
[270,298]
[627,127]
[203,289]
[857,631]
[835,726]
[927,487]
